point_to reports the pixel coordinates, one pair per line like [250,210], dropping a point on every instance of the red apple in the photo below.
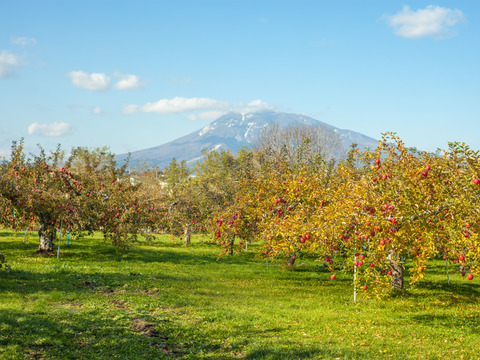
[382,242]
[332,277]
[476,181]
[461,257]
[365,287]
[470,276]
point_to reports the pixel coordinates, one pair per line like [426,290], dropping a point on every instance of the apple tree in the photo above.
[83,193]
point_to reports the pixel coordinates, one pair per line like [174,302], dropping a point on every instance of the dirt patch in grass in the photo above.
[119,304]
[152,292]
[107,291]
[146,329]
[36,352]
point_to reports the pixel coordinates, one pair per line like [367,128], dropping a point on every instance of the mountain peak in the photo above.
[233,131]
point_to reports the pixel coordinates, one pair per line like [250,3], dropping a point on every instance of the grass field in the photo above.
[163,301]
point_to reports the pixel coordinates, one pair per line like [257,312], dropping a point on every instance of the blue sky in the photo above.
[136,74]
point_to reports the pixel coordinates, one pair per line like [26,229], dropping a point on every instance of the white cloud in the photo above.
[128,81]
[255,105]
[97,110]
[8,62]
[433,21]
[23,41]
[93,81]
[49,130]
[175,105]
[199,108]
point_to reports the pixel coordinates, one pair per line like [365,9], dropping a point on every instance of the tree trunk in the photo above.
[186,235]
[461,268]
[291,262]
[230,249]
[396,267]
[46,235]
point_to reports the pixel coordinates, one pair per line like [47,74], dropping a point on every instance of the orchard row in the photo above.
[369,213]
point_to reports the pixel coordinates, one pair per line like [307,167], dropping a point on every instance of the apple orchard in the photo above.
[368,215]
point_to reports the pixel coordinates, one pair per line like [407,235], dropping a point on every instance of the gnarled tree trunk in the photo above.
[230,248]
[396,267]
[186,235]
[46,235]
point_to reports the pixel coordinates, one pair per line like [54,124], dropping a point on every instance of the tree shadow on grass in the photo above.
[92,335]
[449,321]
[135,254]
[62,279]
[462,293]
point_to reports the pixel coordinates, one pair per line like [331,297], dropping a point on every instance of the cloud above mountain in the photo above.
[175,105]
[199,108]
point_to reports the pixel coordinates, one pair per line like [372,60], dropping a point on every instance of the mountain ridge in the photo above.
[232,131]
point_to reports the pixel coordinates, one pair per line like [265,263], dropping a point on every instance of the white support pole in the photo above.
[26,232]
[355,276]
[355,281]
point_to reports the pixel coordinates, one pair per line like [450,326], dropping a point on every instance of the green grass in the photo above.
[163,300]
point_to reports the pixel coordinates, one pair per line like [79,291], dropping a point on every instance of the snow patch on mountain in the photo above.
[250,133]
[206,129]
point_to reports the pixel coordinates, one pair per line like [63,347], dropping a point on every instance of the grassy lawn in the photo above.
[163,300]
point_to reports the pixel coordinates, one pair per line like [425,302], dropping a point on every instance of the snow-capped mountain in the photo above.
[232,131]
